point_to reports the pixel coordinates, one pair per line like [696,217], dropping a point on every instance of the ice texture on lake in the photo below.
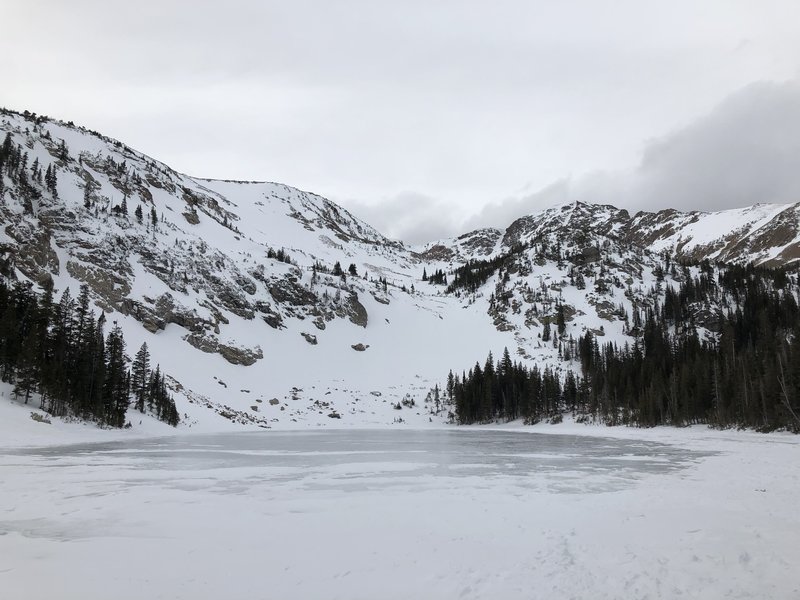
[373,460]
[375,514]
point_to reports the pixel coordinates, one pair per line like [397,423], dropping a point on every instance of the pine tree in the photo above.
[28,374]
[561,320]
[53,183]
[60,343]
[97,372]
[79,355]
[153,389]
[140,370]
[116,385]
[63,152]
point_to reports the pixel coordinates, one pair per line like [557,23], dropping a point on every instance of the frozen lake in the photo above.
[368,461]
[457,513]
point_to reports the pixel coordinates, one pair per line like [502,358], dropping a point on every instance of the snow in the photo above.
[700,229]
[319,507]
[18,429]
[565,511]
[414,341]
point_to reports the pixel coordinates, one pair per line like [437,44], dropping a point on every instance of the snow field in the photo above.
[710,515]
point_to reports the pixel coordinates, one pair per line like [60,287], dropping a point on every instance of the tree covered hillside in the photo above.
[744,373]
[59,351]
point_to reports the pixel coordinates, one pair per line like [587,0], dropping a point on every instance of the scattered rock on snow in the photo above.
[234,355]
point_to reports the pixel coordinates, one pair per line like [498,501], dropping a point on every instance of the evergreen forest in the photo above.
[740,367]
[60,352]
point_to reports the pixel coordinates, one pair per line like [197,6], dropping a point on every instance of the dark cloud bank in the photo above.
[745,151]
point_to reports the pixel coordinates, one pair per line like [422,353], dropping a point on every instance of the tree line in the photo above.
[737,365]
[29,178]
[746,375]
[508,390]
[472,275]
[59,351]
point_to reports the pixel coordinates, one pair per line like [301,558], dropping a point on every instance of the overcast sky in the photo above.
[427,118]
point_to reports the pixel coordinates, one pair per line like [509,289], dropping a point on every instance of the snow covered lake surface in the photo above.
[455,513]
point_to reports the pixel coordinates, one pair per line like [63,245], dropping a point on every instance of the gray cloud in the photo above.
[411,217]
[463,100]
[744,151]
[501,214]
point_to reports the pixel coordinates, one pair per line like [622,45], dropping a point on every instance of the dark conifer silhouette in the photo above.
[58,351]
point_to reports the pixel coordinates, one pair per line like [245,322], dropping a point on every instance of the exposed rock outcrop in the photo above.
[233,354]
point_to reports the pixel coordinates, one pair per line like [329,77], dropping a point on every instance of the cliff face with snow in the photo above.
[764,234]
[235,285]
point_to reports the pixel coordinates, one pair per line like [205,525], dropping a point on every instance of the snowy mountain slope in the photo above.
[575,221]
[766,234]
[235,288]
[233,285]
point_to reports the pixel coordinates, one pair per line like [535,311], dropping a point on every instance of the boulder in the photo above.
[240,356]
[356,311]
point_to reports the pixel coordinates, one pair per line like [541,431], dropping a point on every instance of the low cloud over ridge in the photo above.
[746,150]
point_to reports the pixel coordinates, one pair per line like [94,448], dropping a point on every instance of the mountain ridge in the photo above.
[315,315]
[775,244]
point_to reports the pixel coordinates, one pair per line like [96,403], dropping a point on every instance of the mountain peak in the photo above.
[288,294]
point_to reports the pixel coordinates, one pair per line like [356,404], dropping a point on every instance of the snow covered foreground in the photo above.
[567,511]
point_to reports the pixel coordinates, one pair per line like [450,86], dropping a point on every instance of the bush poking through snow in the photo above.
[40,418]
